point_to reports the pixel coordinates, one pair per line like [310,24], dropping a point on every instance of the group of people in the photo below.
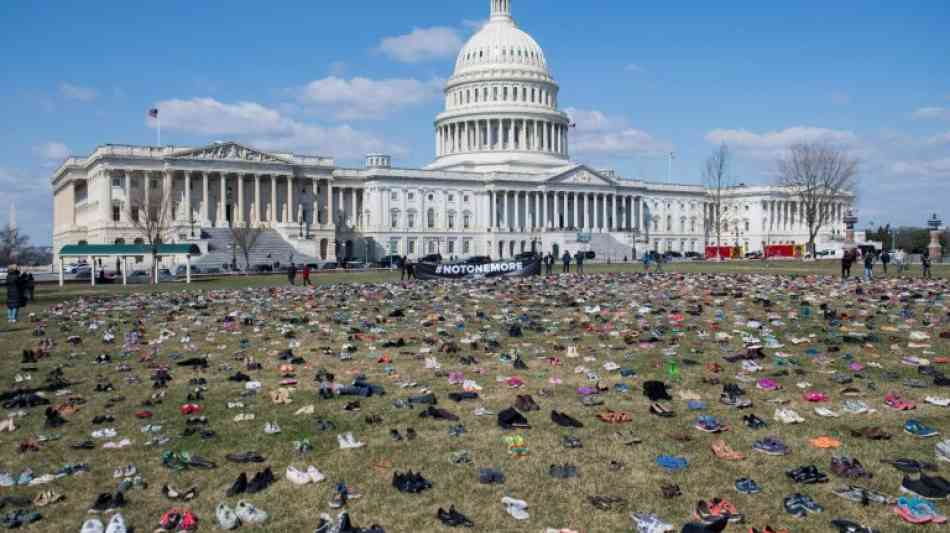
[869,258]
[20,288]
[304,275]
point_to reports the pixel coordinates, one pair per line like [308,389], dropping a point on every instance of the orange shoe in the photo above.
[825,442]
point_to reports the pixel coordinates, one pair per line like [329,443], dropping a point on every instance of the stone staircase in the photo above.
[270,247]
[610,246]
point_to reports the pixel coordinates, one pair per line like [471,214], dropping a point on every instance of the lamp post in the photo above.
[633,234]
[936,253]
[850,220]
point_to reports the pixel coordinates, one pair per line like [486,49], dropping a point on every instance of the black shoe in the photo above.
[260,481]
[245,457]
[754,422]
[453,518]
[847,526]
[921,487]
[117,502]
[394,433]
[103,503]
[239,486]
[411,434]
[53,418]
[564,420]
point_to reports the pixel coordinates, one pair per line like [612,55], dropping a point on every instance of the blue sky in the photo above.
[345,78]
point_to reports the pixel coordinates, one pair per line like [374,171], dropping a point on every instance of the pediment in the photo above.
[582,175]
[229,152]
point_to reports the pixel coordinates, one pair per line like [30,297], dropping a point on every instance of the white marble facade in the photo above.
[502,183]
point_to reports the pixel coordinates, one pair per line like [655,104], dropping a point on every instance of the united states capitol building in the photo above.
[502,182]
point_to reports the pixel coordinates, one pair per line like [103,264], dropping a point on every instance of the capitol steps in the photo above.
[270,248]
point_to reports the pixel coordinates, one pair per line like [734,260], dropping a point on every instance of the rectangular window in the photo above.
[411,220]
[466,247]
[135,214]
[412,246]
[394,196]
[451,247]
[466,221]
[117,183]
[412,196]
[115,213]
[395,220]
[451,221]
[451,197]
[393,246]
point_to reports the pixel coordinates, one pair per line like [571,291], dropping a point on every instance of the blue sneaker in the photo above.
[696,405]
[915,428]
[747,486]
[672,463]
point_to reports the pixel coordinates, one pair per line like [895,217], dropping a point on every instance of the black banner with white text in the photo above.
[498,269]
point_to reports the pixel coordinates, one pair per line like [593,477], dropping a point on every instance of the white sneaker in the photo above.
[348,442]
[787,416]
[938,401]
[297,477]
[124,443]
[252,385]
[315,475]
[250,514]
[432,363]
[244,417]
[117,524]
[823,411]
[106,433]
[306,410]
[93,525]
[943,450]
[226,517]
[271,429]
[516,508]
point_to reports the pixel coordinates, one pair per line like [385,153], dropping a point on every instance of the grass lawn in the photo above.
[354,309]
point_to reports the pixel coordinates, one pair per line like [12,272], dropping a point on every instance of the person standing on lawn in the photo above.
[580,262]
[566,262]
[292,273]
[305,280]
[925,265]
[16,297]
[885,259]
[868,266]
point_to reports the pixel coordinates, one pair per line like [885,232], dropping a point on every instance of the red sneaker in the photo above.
[170,520]
[143,414]
[189,522]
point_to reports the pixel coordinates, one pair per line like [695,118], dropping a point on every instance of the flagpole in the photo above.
[669,169]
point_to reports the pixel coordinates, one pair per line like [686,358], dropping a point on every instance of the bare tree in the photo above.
[13,245]
[717,179]
[152,218]
[817,173]
[245,236]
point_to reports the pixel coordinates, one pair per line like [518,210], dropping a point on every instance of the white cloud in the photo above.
[76,92]
[599,135]
[52,152]
[268,129]
[364,98]
[939,113]
[423,44]
[208,116]
[773,143]
[934,168]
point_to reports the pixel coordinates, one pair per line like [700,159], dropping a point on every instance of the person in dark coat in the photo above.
[846,261]
[580,262]
[549,263]
[29,286]
[15,293]
[404,268]
[885,260]
[292,274]
[566,260]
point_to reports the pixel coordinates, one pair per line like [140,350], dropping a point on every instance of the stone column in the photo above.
[543,208]
[205,207]
[503,220]
[257,200]
[356,213]
[290,200]
[557,210]
[188,214]
[273,199]
[127,188]
[222,201]
[329,220]
[511,134]
[240,198]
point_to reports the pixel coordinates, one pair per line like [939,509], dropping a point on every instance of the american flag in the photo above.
[153,113]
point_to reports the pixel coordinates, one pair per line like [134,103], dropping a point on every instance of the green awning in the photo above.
[103,250]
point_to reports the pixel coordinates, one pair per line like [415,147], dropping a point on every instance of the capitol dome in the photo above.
[501,112]
[500,44]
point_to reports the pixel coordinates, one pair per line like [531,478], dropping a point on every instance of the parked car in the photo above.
[590,255]
[356,265]
[694,256]
[753,255]
[72,268]
[431,258]
[329,265]
[525,256]
[182,270]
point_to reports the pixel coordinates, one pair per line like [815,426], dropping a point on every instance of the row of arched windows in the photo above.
[529,94]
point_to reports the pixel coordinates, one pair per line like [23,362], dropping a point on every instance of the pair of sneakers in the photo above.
[116,525]
[800,506]
[243,513]
[301,477]
[178,520]
[650,523]
[516,508]
[348,442]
